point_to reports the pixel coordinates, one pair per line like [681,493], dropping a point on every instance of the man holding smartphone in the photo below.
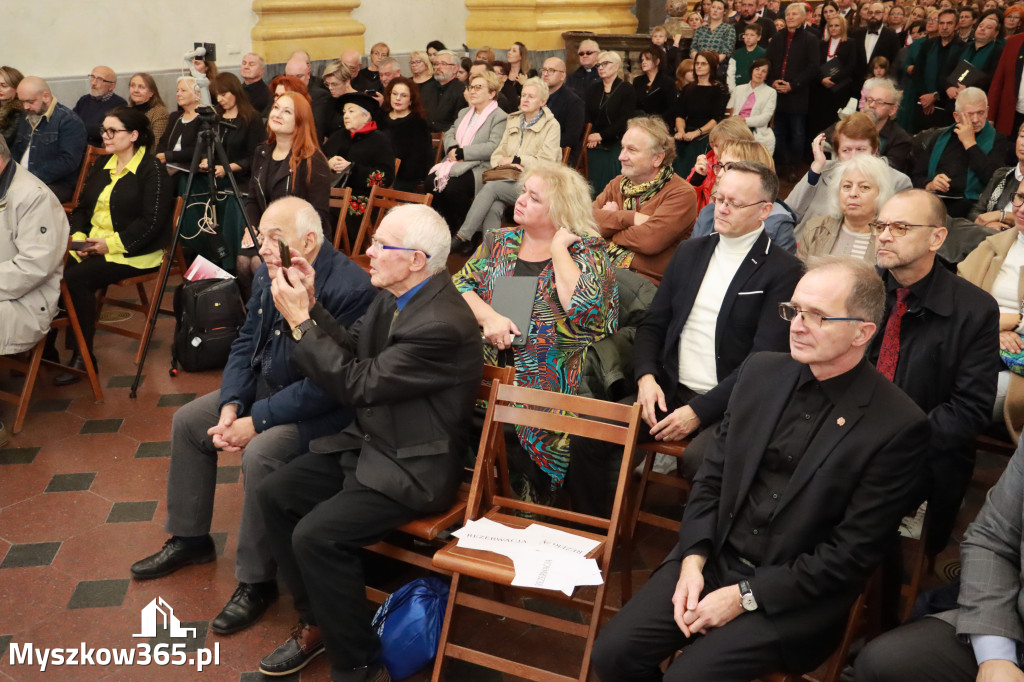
[955,162]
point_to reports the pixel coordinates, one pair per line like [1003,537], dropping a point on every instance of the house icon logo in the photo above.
[157,610]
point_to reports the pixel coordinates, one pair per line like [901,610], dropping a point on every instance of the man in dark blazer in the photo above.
[800,493]
[980,639]
[883,41]
[795,61]
[717,304]
[945,357]
[410,367]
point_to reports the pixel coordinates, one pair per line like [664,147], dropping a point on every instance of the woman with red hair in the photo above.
[282,84]
[289,163]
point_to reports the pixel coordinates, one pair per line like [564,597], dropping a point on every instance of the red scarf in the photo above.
[368,128]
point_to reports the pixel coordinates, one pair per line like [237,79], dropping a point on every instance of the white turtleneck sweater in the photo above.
[698,369]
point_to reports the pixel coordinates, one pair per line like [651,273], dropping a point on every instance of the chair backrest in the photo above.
[437,140]
[581,163]
[340,198]
[91,154]
[381,199]
[566,151]
[398,164]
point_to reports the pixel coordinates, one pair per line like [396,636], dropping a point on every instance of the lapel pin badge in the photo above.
[841,421]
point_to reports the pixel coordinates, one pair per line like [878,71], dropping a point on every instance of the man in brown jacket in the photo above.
[645,212]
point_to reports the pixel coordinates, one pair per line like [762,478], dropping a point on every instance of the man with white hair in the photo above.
[265,408]
[881,102]
[93,107]
[33,237]
[51,139]
[253,66]
[411,367]
[586,75]
[957,161]
[442,95]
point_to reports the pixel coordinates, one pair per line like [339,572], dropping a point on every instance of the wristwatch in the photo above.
[299,330]
[747,600]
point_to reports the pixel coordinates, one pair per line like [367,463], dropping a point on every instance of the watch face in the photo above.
[297,333]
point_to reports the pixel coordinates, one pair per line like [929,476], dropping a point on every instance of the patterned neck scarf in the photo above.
[634,196]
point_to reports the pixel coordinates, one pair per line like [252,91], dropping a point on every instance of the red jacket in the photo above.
[1002,96]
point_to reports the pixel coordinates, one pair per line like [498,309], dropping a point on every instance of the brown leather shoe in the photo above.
[302,647]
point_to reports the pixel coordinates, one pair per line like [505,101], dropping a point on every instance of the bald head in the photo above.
[294,220]
[351,58]
[298,67]
[34,94]
[102,81]
[553,73]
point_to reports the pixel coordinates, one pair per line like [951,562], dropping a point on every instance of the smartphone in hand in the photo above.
[286,257]
[79,245]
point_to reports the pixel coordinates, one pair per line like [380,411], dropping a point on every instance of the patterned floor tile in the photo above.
[66,483]
[90,594]
[30,554]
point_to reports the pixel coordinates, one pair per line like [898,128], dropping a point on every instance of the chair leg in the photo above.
[442,644]
[143,297]
[83,349]
[30,381]
[153,308]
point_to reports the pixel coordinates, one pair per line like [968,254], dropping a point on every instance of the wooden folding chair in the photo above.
[398,164]
[30,368]
[340,198]
[91,154]
[381,199]
[437,141]
[581,163]
[430,528]
[513,405]
[150,305]
[566,151]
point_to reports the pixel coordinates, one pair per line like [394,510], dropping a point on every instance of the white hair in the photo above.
[872,83]
[192,83]
[875,169]
[426,231]
[305,219]
[971,96]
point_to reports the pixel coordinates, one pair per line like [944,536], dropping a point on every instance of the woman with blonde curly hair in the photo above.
[555,240]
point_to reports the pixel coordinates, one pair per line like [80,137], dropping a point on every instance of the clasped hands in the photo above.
[96,247]
[694,615]
[676,425]
[231,434]
[782,86]
[293,291]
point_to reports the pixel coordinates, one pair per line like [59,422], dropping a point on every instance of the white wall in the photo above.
[407,25]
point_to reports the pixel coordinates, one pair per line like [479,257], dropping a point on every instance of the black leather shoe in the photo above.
[247,604]
[68,378]
[175,554]
[462,247]
[301,648]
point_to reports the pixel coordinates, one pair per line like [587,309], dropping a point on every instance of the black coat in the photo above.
[176,130]
[258,94]
[802,69]
[311,181]
[569,111]
[888,44]
[369,153]
[747,322]
[608,113]
[241,141]
[410,140]
[838,513]
[140,205]
[413,381]
[657,97]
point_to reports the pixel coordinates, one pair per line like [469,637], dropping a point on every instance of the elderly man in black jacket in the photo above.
[411,368]
[443,94]
[938,345]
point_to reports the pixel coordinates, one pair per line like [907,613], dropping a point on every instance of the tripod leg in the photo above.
[222,156]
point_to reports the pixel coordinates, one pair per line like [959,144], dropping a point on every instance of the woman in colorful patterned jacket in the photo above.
[556,242]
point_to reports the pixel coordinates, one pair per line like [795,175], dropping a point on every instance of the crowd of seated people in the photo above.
[817,288]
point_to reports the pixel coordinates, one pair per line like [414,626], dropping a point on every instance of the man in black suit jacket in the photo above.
[795,61]
[410,367]
[800,494]
[748,15]
[882,40]
[946,356]
[717,303]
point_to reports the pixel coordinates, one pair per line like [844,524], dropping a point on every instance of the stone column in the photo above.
[322,27]
[539,24]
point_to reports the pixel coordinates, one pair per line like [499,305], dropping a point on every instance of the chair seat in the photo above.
[672,448]
[428,527]
[494,567]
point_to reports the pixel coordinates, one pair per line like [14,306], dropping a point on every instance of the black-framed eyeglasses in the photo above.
[552,70]
[377,244]
[110,132]
[101,79]
[587,53]
[871,101]
[789,311]
[898,228]
[719,167]
[605,63]
[1018,200]
[732,205]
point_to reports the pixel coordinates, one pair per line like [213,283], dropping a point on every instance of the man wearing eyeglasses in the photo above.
[938,345]
[586,75]
[92,108]
[717,303]
[799,496]
[443,94]
[881,102]
[411,367]
[51,139]
[566,105]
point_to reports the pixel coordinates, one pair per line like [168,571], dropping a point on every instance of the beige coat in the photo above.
[539,143]
[820,236]
[33,238]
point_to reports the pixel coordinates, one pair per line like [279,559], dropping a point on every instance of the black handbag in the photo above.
[208,314]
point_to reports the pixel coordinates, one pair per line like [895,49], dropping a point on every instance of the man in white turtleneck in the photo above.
[717,303]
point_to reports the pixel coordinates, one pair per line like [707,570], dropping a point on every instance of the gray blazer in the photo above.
[477,155]
[992,558]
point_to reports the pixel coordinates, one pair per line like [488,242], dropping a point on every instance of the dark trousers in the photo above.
[318,516]
[85,279]
[643,634]
[927,649]
[454,201]
[790,139]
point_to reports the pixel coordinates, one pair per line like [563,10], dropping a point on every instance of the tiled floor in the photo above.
[82,496]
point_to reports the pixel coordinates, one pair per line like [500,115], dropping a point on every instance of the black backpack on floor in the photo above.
[208,315]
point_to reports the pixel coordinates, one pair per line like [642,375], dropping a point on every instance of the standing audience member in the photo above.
[11,110]
[407,128]
[1007,108]
[586,75]
[754,103]
[442,96]
[699,107]
[33,237]
[939,347]
[610,103]
[144,96]
[469,143]
[567,107]
[748,17]
[265,408]
[51,139]
[934,62]
[838,78]
[647,210]
[413,359]
[554,241]
[1012,21]
[747,52]
[93,107]
[983,51]
[655,91]
[253,66]
[716,36]
[123,215]
[957,161]
[518,58]
[966,19]
[875,39]
[337,78]
[794,64]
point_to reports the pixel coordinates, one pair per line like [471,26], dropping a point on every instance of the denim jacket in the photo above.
[58,145]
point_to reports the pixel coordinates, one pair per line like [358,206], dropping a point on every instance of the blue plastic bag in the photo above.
[409,626]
